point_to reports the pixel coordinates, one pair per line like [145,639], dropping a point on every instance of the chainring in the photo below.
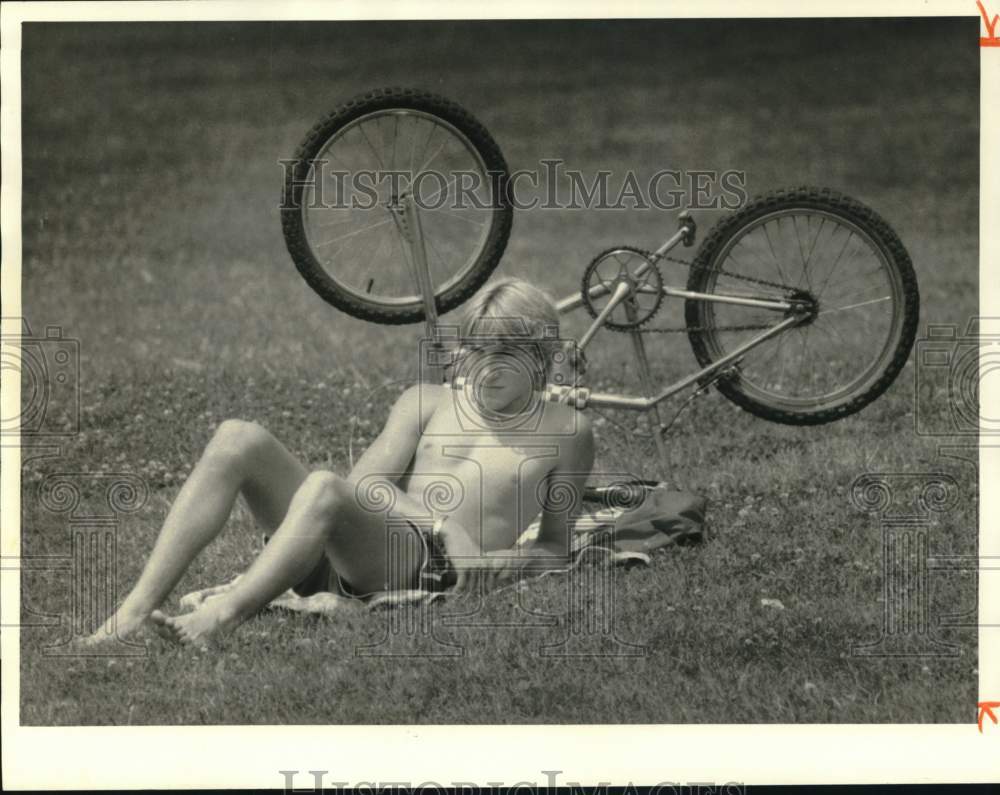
[638,268]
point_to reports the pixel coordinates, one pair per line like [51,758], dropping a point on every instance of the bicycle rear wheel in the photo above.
[341,213]
[852,271]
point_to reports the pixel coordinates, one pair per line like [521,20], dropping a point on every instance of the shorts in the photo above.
[435,574]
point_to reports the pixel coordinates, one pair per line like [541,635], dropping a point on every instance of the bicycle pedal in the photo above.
[686,222]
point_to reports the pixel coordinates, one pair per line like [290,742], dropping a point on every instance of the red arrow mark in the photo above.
[986,708]
[991,39]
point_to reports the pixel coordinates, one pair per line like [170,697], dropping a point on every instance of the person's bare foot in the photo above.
[213,619]
[161,624]
[124,624]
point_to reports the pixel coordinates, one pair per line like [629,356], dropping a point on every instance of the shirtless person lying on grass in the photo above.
[505,451]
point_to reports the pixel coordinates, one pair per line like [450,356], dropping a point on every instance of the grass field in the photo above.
[151,235]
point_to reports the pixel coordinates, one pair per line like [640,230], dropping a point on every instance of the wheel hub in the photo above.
[805,306]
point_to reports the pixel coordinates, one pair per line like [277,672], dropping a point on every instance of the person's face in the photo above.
[501,375]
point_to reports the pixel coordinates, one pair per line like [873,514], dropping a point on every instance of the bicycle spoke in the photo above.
[440,257]
[756,256]
[344,245]
[443,188]
[735,261]
[859,279]
[394,277]
[831,330]
[798,240]
[433,157]
[775,353]
[413,149]
[335,222]
[805,261]
[815,240]
[453,214]
[343,168]
[381,136]
[802,358]
[379,247]
[781,373]
[839,341]
[370,146]
[855,306]
[857,292]
[427,143]
[777,264]
[836,262]
[356,232]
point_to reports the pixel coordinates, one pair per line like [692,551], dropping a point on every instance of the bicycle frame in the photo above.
[582,397]
[651,400]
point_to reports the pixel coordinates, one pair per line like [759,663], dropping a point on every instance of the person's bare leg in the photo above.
[323,514]
[241,458]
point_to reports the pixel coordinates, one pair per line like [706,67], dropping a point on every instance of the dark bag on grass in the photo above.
[665,517]
[634,518]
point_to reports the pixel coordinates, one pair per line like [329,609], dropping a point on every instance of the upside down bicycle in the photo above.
[801,307]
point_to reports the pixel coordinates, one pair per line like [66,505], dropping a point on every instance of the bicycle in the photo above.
[815,261]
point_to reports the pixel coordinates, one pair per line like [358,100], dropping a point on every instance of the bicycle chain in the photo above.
[722,271]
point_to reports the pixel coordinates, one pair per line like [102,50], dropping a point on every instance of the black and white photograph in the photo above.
[470,373]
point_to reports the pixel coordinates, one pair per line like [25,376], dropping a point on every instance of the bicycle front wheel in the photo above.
[838,258]
[341,209]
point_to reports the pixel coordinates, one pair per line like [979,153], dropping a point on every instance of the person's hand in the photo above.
[478,571]
[493,570]
[486,573]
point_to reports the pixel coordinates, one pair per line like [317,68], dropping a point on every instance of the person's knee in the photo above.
[326,493]
[236,440]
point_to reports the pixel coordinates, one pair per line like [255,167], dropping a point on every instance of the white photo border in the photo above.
[252,756]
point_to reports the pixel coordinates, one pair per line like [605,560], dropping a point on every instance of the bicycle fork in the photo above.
[407,217]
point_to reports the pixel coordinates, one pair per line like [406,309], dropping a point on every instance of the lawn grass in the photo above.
[151,235]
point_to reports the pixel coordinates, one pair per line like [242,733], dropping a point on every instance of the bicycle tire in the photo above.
[723,237]
[294,227]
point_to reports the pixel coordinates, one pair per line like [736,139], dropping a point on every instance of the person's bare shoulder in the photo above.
[420,401]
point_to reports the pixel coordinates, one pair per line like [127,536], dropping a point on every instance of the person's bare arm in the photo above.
[390,454]
[392,450]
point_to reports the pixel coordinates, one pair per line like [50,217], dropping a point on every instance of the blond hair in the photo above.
[511,308]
